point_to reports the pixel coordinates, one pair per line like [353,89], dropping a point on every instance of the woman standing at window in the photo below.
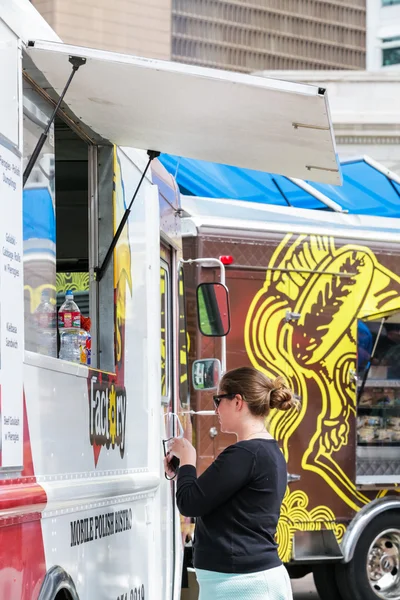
[237,500]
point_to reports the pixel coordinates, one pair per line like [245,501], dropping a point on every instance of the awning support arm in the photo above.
[99,271]
[318,195]
[280,191]
[76,62]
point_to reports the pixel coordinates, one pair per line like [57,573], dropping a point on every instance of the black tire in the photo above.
[326,583]
[353,577]
[297,571]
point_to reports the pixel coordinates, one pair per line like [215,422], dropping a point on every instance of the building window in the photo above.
[396,38]
[388,2]
[391,56]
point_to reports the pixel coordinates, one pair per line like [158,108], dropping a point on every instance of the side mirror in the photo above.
[213,309]
[206,374]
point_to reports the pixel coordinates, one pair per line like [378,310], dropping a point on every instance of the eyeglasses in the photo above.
[217,399]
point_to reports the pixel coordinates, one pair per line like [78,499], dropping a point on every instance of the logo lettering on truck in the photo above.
[107,414]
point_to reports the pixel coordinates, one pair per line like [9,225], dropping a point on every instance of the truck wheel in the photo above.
[374,571]
[325,582]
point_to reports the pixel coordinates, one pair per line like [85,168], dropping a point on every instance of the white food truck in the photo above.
[85,509]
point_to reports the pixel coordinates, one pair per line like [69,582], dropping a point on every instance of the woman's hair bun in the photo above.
[258,391]
[281,396]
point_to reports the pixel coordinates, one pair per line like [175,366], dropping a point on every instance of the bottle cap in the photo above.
[69,294]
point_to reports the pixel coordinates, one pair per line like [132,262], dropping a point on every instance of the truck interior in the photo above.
[72,215]
[84,219]
[378,400]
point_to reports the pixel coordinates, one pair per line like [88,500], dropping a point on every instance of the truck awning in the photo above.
[205,114]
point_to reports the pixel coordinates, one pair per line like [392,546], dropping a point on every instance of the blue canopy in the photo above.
[39,218]
[368,188]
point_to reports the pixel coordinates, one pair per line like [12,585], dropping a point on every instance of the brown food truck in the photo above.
[315,297]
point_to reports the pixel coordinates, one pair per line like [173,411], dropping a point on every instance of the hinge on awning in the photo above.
[76,62]
[99,271]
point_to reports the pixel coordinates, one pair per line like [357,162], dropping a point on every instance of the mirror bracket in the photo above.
[209,262]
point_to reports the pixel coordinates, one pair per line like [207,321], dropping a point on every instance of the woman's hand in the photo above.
[184,450]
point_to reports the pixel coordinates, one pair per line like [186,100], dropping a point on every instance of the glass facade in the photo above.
[248,36]
[391,56]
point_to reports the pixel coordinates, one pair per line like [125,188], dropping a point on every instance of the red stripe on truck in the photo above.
[18,497]
[22,557]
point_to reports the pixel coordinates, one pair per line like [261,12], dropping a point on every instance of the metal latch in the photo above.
[353,376]
[213,432]
[291,477]
[292,316]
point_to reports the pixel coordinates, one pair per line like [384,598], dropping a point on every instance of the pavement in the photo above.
[304,588]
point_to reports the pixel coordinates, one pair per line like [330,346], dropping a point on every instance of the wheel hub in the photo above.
[383,565]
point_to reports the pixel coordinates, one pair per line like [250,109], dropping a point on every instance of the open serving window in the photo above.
[378,401]
[67,206]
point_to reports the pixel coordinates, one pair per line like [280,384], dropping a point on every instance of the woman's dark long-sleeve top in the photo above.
[237,502]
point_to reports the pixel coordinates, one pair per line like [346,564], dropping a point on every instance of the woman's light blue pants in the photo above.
[273,584]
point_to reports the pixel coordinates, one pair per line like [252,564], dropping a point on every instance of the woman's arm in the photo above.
[197,497]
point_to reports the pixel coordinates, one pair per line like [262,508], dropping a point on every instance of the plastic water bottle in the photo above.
[69,325]
[46,326]
[69,314]
[69,345]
